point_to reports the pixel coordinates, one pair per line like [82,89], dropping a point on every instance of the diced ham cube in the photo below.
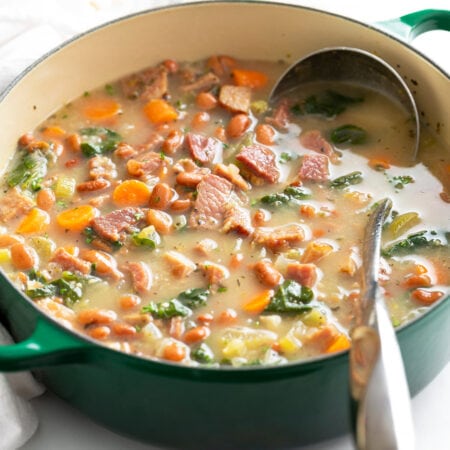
[237,219]
[313,140]
[202,148]
[279,238]
[280,117]
[67,261]
[260,161]
[14,204]
[203,83]
[215,273]
[213,194]
[144,165]
[305,274]
[141,276]
[180,266]
[314,168]
[235,98]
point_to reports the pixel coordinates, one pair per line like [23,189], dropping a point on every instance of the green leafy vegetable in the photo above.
[203,354]
[98,141]
[30,171]
[291,193]
[147,237]
[110,89]
[285,157]
[347,180]
[401,180]
[348,134]
[194,297]
[167,310]
[328,104]
[411,242]
[291,297]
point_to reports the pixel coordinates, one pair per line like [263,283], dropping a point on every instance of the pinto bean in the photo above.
[25,139]
[93,185]
[24,257]
[141,276]
[267,274]
[45,199]
[129,301]
[170,65]
[227,317]
[206,100]
[174,351]
[265,134]
[181,205]
[173,142]
[200,119]
[105,264]
[101,332]
[189,179]
[160,220]
[123,329]
[261,217]
[96,316]
[237,125]
[160,196]
[73,141]
[197,334]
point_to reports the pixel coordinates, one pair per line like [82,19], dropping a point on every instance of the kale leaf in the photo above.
[348,134]
[347,180]
[98,141]
[291,297]
[291,193]
[411,242]
[29,172]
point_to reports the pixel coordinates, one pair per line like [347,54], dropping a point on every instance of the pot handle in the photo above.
[412,25]
[47,346]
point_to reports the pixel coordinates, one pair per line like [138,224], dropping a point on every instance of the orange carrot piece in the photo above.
[76,219]
[249,78]
[131,193]
[99,109]
[53,132]
[426,297]
[159,111]
[174,352]
[379,163]
[36,221]
[341,343]
[259,302]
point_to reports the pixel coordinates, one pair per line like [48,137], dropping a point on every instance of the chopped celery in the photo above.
[44,246]
[147,237]
[64,187]
[314,318]
[259,107]
[403,222]
[30,172]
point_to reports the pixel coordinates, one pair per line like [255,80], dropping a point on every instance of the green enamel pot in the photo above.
[170,405]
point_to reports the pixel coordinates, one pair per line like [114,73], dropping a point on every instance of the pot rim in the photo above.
[219,373]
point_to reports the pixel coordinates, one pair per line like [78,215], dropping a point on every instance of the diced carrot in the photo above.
[131,193]
[259,302]
[341,343]
[318,232]
[308,211]
[174,352]
[227,317]
[53,132]
[159,111]
[36,221]
[420,269]
[426,297]
[315,251]
[249,78]
[76,219]
[379,163]
[99,109]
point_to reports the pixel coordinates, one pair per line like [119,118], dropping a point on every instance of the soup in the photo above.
[174,215]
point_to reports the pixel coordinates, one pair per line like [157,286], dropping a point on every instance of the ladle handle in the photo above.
[412,25]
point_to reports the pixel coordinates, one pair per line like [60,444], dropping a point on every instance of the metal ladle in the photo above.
[352,66]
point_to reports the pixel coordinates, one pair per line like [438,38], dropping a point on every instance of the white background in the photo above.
[62,427]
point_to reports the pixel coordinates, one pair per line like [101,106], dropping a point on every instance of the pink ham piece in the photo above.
[260,161]
[202,148]
[314,168]
[313,140]
[213,194]
[305,274]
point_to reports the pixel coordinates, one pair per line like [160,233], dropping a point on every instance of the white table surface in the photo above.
[64,428]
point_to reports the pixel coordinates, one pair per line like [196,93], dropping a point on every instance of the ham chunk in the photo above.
[235,98]
[144,165]
[105,264]
[260,161]
[316,250]
[114,225]
[14,204]
[180,266]
[203,83]
[202,148]
[215,273]
[305,274]
[67,261]
[237,219]
[147,84]
[231,173]
[280,117]
[206,246]
[267,274]
[213,194]
[279,238]
[314,168]
[141,276]
[313,140]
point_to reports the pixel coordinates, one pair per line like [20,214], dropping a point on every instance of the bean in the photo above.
[97,316]
[206,100]
[100,333]
[200,119]
[205,318]
[160,220]
[228,316]
[105,264]
[220,134]
[93,185]
[265,134]
[236,260]
[45,199]
[176,329]
[237,125]
[197,334]
[171,65]
[181,205]
[261,217]
[74,142]
[267,274]
[173,142]
[426,297]
[26,140]
[190,179]
[160,196]
[24,257]
[124,329]
[129,301]
[174,352]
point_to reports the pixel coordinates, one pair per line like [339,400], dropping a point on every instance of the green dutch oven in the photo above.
[170,405]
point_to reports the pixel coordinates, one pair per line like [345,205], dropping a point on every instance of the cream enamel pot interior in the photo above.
[279,407]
